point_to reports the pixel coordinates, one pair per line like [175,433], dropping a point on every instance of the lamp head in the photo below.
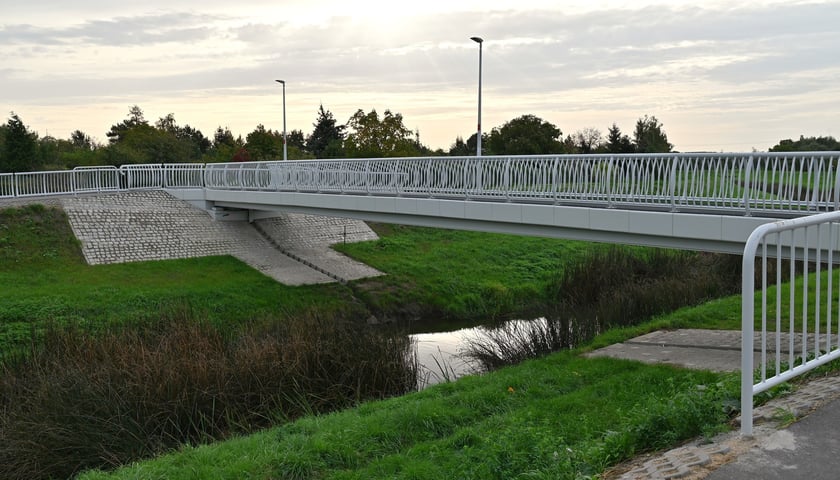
[477,39]
[281,81]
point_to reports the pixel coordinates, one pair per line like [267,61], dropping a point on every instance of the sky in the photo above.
[718,75]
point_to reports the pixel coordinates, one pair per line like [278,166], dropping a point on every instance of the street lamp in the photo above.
[284,116]
[480,42]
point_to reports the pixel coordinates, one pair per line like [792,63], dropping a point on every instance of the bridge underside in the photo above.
[688,231]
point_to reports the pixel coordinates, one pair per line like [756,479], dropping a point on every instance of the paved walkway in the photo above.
[806,449]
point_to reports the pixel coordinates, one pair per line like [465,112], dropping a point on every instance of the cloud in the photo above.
[146,30]
[548,59]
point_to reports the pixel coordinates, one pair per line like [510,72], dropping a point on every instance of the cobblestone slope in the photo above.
[152,225]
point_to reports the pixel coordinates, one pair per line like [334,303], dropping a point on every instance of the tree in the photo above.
[194,141]
[326,138]
[807,144]
[82,150]
[81,140]
[264,144]
[618,143]
[525,135]
[588,140]
[222,136]
[649,136]
[371,137]
[295,139]
[460,148]
[223,147]
[135,141]
[20,147]
[135,119]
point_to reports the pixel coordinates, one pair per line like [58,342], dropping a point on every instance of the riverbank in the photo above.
[448,273]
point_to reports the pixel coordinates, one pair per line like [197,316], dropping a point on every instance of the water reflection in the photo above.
[440,355]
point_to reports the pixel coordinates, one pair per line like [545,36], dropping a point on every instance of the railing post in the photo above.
[608,181]
[464,179]
[672,182]
[815,192]
[836,164]
[747,190]
[428,182]
[367,177]
[507,179]
[747,315]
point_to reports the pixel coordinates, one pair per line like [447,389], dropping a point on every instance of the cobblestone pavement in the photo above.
[152,225]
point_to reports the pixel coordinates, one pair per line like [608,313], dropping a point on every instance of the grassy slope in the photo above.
[558,417]
[590,412]
[45,279]
[459,274]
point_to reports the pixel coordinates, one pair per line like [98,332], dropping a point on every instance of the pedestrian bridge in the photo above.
[709,202]
[765,206]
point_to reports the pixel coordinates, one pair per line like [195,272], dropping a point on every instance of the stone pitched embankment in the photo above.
[152,225]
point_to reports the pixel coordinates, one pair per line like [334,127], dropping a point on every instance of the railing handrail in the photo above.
[806,237]
[782,184]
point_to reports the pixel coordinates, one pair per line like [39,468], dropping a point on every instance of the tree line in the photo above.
[135,140]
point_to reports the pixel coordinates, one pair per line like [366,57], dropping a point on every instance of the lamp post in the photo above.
[284,117]
[480,42]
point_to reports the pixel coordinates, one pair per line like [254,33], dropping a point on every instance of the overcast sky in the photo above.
[719,75]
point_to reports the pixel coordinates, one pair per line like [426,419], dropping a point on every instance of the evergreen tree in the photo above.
[649,136]
[460,148]
[618,143]
[20,147]
[135,119]
[327,136]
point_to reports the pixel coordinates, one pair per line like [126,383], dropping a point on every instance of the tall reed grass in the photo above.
[79,400]
[615,287]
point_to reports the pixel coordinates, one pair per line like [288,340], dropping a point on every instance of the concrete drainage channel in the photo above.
[295,257]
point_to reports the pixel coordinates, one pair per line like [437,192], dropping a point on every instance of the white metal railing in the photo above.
[101,179]
[789,320]
[770,184]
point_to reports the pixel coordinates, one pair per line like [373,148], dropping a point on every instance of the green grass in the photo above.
[457,274]
[560,417]
[46,281]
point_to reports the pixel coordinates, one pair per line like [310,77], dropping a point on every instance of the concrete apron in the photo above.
[716,350]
